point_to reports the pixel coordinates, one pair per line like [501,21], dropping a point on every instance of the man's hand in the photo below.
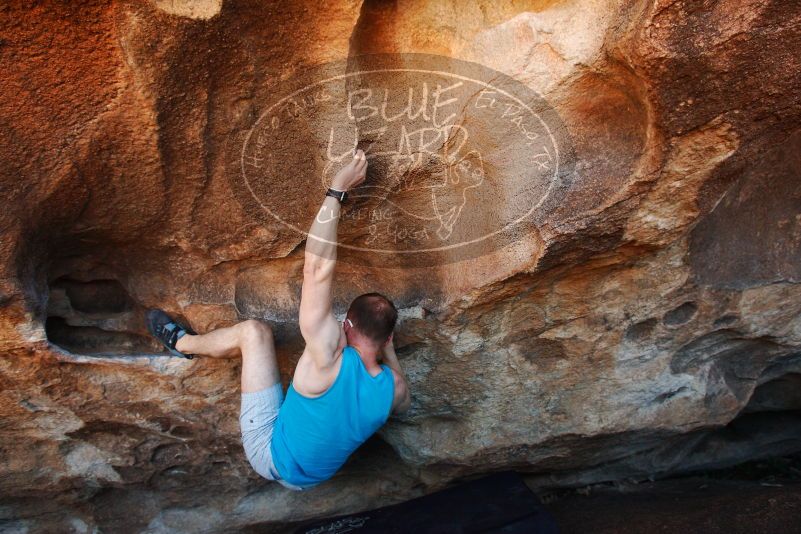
[388,348]
[351,174]
[388,355]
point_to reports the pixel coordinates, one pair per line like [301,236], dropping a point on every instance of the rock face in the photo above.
[648,318]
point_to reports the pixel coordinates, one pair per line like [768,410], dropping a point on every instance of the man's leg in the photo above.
[252,339]
[262,394]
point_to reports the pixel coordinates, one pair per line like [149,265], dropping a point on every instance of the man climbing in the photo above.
[339,395]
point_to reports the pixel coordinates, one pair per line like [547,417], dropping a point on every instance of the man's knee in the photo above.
[253,331]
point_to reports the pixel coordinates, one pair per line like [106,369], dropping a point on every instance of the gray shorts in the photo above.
[257,419]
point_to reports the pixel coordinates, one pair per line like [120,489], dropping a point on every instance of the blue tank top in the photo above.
[313,437]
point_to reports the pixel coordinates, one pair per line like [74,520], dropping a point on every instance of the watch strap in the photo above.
[339,195]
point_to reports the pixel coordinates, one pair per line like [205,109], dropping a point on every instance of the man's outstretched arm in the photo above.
[318,326]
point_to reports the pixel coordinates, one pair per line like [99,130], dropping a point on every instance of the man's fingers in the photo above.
[359,165]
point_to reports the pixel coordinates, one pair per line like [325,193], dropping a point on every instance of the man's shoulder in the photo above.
[396,377]
[399,388]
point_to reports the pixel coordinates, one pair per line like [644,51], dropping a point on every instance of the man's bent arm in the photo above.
[403,398]
[318,326]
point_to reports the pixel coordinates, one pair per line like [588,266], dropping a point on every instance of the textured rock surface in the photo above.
[624,340]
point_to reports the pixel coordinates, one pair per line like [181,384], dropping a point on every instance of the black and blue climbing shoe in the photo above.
[168,331]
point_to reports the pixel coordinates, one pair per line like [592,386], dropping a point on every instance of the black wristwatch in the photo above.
[342,196]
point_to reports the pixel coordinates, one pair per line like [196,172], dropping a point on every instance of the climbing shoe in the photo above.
[167,331]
